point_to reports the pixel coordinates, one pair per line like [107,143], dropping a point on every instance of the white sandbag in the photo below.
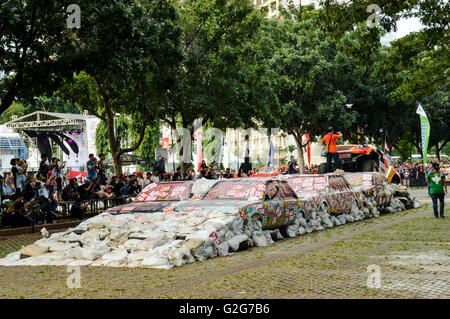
[259,239]
[34,250]
[155,262]
[300,231]
[80,262]
[116,254]
[268,237]
[10,258]
[44,233]
[291,231]
[389,209]
[416,204]
[85,253]
[132,244]
[235,242]
[57,246]
[349,218]
[180,256]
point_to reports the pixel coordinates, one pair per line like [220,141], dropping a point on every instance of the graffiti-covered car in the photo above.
[371,184]
[270,201]
[328,192]
[154,197]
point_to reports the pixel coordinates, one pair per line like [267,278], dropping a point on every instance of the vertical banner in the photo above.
[77,157]
[226,162]
[270,156]
[425,131]
[165,137]
[222,148]
[91,128]
[198,142]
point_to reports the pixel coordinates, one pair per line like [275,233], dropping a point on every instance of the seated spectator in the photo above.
[85,191]
[78,209]
[46,204]
[155,176]
[121,188]
[166,177]
[29,192]
[69,192]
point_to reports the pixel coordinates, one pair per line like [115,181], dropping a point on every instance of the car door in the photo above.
[273,204]
[335,194]
[291,204]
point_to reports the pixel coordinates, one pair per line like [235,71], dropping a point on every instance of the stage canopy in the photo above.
[50,122]
[73,133]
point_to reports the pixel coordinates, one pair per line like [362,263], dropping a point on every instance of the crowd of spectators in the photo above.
[34,196]
[413,174]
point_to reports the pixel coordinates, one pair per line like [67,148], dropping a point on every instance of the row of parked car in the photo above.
[275,201]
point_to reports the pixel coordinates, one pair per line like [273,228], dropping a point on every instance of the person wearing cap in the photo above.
[166,177]
[332,155]
[438,189]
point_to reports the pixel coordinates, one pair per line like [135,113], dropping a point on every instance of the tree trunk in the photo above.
[114,148]
[438,153]
[301,160]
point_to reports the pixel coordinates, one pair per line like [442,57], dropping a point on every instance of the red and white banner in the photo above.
[198,141]
[77,175]
[308,148]
[165,137]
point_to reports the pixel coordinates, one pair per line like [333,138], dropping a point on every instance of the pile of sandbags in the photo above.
[158,240]
[402,194]
[167,239]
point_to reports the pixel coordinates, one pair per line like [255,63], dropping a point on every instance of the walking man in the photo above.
[332,155]
[438,189]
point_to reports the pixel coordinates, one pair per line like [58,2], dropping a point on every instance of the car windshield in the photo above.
[165,192]
[308,183]
[237,189]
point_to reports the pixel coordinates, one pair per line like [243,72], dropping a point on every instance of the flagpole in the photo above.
[237,169]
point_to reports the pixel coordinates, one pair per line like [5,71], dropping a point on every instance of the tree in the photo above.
[35,52]
[219,79]
[308,68]
[131,48]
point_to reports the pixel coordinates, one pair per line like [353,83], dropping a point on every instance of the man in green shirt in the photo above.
[438,189]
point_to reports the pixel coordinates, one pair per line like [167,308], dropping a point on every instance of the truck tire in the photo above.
[323,168]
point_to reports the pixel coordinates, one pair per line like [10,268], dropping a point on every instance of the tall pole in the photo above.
[237,169]
[173,155]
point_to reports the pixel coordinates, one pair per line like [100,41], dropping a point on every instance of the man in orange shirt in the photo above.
[330,140]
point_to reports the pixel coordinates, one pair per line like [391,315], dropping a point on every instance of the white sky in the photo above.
[404,27]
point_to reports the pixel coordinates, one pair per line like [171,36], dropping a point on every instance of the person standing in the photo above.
[438,189]
[58,176]
[332,155]
[43,165]
[101,168]
[91,167]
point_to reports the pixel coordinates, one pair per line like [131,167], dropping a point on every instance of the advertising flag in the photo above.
[425,131]
[226,161]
